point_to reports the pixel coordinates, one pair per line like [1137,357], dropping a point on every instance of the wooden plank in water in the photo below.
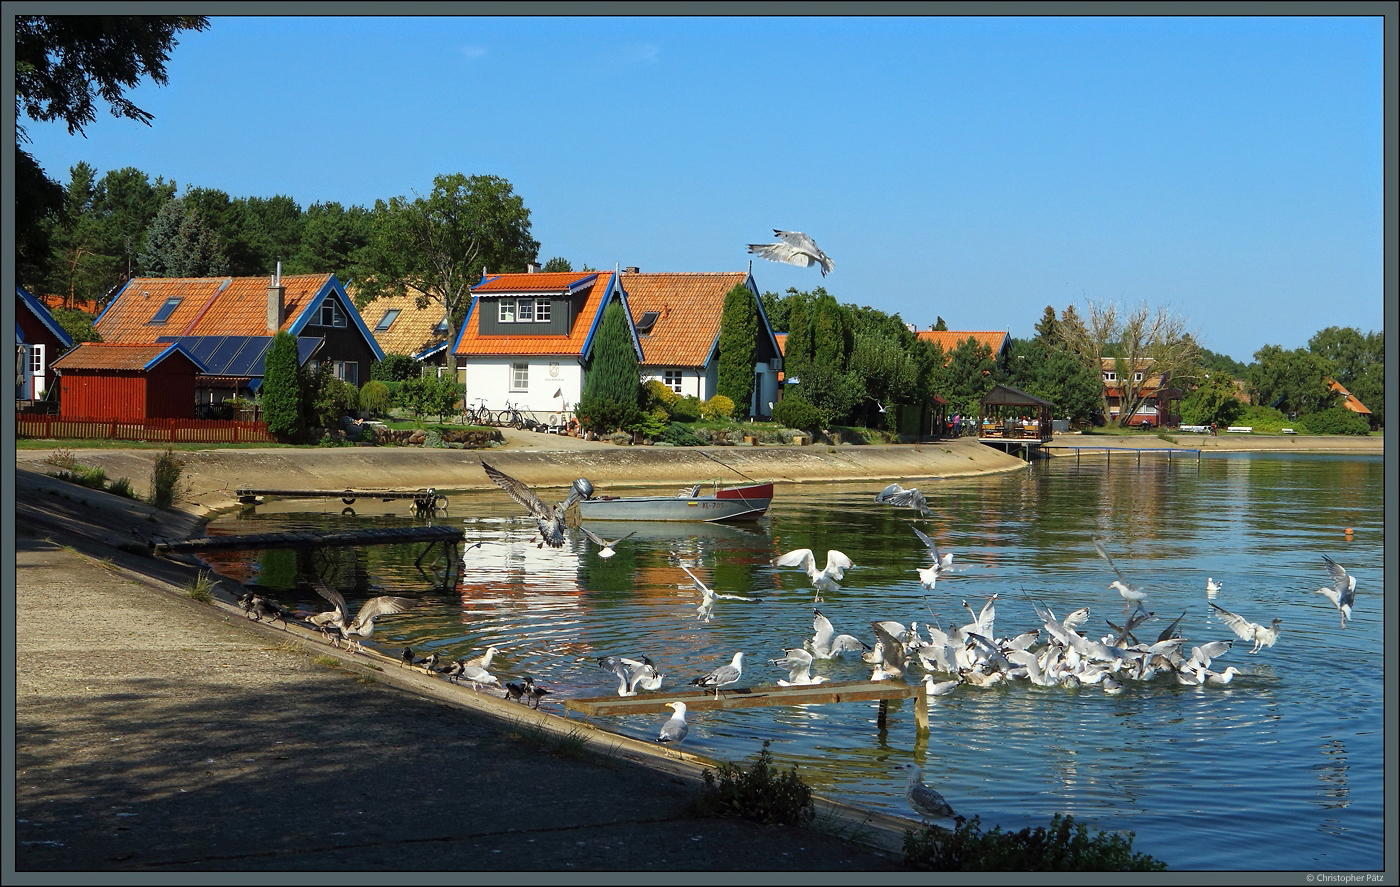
[754,697]
[252,541]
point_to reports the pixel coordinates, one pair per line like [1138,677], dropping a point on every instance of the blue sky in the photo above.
[1228,169]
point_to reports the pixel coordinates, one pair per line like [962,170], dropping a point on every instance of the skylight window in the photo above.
[387,320]
[647,321]
[165,310]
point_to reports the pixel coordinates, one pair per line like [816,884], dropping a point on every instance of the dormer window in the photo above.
[387,320]
[165,310]
[331,315]
[523,311]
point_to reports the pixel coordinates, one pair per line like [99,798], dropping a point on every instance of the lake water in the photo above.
[1279,770]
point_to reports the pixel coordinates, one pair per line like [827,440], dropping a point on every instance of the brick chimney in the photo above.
[276,299]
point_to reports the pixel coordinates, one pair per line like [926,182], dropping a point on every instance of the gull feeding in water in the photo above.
[827,644]
[1342,591]
[823,580]
[550,520]
[674,730]
[794,248]
[1130,593]
[1212,587]
[631,674]
[722,676]
[1253,632]
[798,662]
[605,548]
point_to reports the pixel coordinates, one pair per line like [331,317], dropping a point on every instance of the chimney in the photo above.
[632,269]
[276,299]
[532,267]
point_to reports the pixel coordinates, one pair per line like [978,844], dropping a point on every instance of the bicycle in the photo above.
[479,415]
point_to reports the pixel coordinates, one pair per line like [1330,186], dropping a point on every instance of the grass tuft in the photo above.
[201,588]
[761,793]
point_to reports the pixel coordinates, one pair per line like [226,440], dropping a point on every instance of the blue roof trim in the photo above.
[462,330]
[753,288]
[175,348]
[121,292]
[332,286]
[429,352]
[41,312]
[614,285]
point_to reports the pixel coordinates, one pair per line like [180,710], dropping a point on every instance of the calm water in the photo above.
[1279,770]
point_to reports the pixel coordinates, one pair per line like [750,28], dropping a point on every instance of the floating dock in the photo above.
[423,499]
[258,541]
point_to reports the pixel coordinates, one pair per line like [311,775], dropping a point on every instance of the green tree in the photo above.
[1293,382]
[1044,368]
[1358,363]
[558,263]
[281,388]
[612,382]
[179,244]
[77,324]
[437,246]
[818,351]
[333,241]
[971,374]
[940,325]
[1213,401]
[738,342]
[1047,329]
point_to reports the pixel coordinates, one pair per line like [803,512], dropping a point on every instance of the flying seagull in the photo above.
[708,596]
[605,548]
[794,248]
[1341,591]
[551,520]
[837,563]
[1131,593]
[1259,635]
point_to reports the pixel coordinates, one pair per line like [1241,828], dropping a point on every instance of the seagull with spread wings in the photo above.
[362,626]
[794,248]
[708,596]
[1259,635]
[550,520]
[605,547]
[837,563]
[1342,591]
[1131,593]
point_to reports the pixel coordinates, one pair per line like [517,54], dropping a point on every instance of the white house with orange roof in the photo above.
[677,317]
[528,337]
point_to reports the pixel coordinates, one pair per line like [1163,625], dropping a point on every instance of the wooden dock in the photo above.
[423,499]
[1109,451]
[258,541]
[753,697]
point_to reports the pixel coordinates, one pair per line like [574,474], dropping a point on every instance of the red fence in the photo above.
[172,430]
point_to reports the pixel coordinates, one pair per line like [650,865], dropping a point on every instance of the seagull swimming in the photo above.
[1130,593]
[928,803]
[798,662]
[1342,590]
[794,248]
[722,676]
[550,520]
[363,624]
[1212,587]
[605,548]
[827,644]
[823,580]
[674,730]
[1257,634]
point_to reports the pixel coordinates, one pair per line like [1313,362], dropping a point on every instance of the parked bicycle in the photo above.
[513,417]
[480,414]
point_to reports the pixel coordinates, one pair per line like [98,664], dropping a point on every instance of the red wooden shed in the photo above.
[103,381]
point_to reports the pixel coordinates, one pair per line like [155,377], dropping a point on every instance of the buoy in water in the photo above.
[1348,532]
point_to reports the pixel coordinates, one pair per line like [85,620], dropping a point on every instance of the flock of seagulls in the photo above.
[1059,652]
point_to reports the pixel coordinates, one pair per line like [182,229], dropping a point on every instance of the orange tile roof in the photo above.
[951,339]
[209,306]
[471,343]
[412,331]
[689,305]
[104,356]
[1349,400]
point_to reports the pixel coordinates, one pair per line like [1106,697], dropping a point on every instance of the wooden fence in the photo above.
[163,430]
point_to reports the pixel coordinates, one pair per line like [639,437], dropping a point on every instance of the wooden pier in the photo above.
[1109,451]
[257,541]
[423,499]
[753,697]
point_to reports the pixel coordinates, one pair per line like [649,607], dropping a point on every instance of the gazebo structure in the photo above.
[1012,417]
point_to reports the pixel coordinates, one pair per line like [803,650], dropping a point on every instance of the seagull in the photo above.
[827,644]
[723,676]
[794,248]
[888,655]
[1341,591]
[928,803]
[798,662]
[550,520]
[363,624]
[1250,631]
[894,494]
[484,660]
[939,688]
[631,674]
[1130,593]
[1212,587]
[824,580]
[605,548]
[478,675]
[675,729]
[708,596]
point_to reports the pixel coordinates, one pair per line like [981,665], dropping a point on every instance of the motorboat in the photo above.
[707,502]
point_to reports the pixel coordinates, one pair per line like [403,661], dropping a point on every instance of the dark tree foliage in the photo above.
[39,203]
[971,374]
[558,263]
[333,240]
[281,388]
[738,338]
[179,244]
[1045,369]
[1293,382]
[1358,363]
[1047,329]
[395,368]
[612,385]
[77,324]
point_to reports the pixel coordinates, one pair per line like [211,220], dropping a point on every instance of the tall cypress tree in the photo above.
[281,388]
[612,384]
[738,337]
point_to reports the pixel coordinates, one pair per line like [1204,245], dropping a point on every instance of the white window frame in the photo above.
[520,377]
[505,311]
[347,371]
[1110,376]
[36,360]
[1137,377]
[390,315]
[542,309]
[525,311]
[673,379]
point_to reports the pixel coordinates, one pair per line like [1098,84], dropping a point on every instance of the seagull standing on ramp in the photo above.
[550,520]
[928,803]
[794,248]
[674,730]
[363,624]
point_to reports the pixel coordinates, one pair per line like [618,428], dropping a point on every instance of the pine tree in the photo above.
[738,338]
[612,384]
[281,388]
[178,244]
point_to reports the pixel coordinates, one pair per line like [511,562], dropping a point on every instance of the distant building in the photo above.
[39,340]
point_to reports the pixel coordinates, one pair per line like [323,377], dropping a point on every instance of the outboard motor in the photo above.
[583,488]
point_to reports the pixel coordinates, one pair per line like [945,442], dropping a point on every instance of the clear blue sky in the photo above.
[978,169]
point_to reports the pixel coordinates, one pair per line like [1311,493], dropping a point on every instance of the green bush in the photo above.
[686,409]
[795,411]
[1266,419]
[760,793]
[121,487]
[1066,846]
[165,480]
[650,424]
[374,397]
[603,415]
[656,393]
[680,435]
[282,388]
[717,408]
[395,368]
[332,399]
[1335,420]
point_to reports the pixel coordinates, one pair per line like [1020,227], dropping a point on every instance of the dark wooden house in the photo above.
[39,340]
[102,381]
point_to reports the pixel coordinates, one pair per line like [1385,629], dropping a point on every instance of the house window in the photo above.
[525,311]
[347,371]
[387,320]
[165,311]
[672,380]
[1110,376]
[506,312]
[541,311]
[1137,377]
[331,315]
[520,377]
